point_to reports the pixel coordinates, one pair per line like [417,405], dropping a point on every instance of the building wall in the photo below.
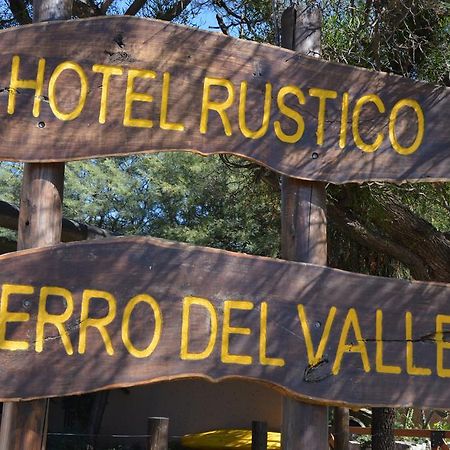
[192,406]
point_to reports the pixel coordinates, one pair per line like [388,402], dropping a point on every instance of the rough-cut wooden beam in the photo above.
[71,229]
[7,245]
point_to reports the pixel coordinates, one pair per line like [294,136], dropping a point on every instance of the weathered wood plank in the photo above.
[341,428]
[158,432]
[241,319]
[303,236]
[100,90]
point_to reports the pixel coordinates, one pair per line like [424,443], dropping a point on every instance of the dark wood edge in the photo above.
[222,36]
[183,246]
[323,178]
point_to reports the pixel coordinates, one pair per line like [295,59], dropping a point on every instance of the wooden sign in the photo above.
[121,85]
[120,312]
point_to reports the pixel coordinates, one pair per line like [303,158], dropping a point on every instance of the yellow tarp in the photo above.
[226,439]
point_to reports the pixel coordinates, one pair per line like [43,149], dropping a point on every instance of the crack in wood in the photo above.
[118,39]
[313,372]
[426,338]
[120,57]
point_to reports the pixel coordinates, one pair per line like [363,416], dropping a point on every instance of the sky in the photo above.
[206,20]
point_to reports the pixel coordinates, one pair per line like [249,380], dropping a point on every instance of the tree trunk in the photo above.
[383,429]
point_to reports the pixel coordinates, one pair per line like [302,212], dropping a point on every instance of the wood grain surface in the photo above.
[303,236]
[124,85]
[129,311]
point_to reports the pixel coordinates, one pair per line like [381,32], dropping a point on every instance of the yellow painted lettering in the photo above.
[107,72]
[99,323]
[84,87]
[184,349]
[351,321]
[163,121]
[406,102]
[315,357]
[291,114]
[58,320]
[411,368]
[364,146]
[142,298]
[323,95]
[380,367]
[226,357]
[242,112]
[263,359]
[16,83]
[441,345]
[8,316]
[344,119]
[219,107]
[131,96]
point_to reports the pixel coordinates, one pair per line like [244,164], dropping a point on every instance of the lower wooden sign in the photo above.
[121,312]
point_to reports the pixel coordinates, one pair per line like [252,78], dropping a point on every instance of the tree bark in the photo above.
[383,429]
[393,229]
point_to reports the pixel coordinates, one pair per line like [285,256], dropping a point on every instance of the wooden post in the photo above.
[158,433]
[259,435]
[341,428]
[24,424]
[303,238]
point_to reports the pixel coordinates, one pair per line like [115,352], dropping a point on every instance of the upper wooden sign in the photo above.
[122,85]
[120,312]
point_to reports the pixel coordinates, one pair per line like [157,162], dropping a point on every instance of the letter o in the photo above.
[142,298]
[406,102]
[67,65]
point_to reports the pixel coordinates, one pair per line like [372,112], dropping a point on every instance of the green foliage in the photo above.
[11,177]
[442,425]
[407,37]
[410,38]
[248,19]
[177,196]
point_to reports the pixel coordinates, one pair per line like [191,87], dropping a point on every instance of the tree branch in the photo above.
[105,6]
[174,11]
[71,230]
[168,14]
[354,229]
[390,227]
[82,9]
[19,11]
[419,236]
